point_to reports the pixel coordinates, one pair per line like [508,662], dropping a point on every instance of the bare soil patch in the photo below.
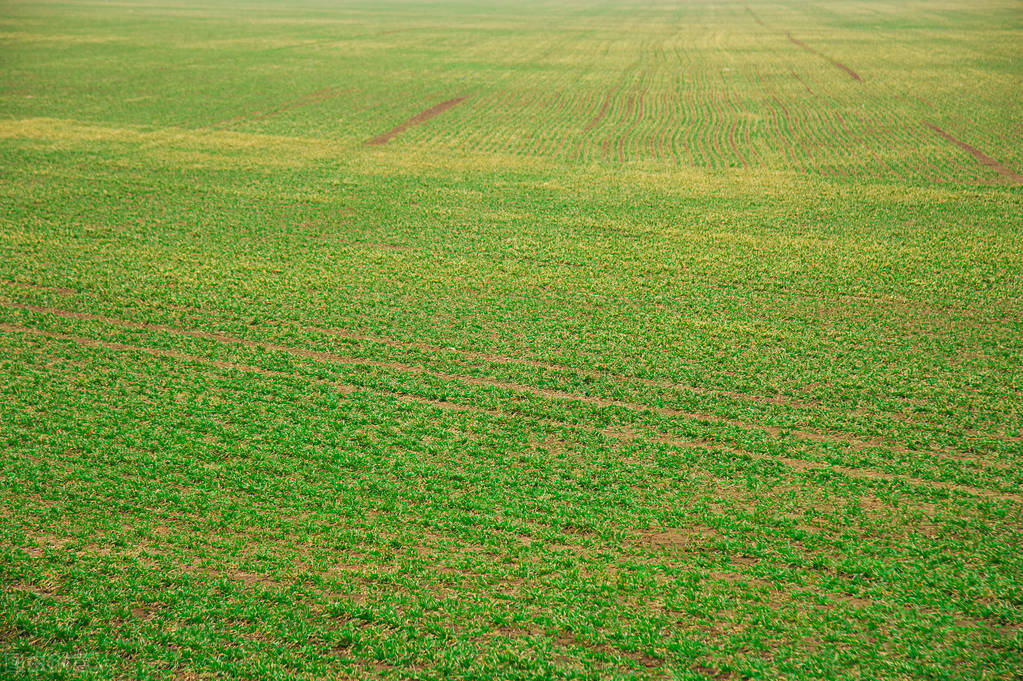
[712,672]
[40,591]
[675,539]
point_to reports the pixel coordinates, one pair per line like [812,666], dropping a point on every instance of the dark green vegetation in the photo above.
[686,345]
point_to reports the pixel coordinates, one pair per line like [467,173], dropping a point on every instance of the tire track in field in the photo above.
[663,438]
[418,119]
[779,400]
[867,473]
[472,354]
[816,155]
[853,442]
[538,364]
[855,76]
[802,82]
[796,41]
[170,354]
[857,135]
[798,465]
[981,157]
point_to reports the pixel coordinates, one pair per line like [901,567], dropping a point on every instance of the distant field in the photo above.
[511,340]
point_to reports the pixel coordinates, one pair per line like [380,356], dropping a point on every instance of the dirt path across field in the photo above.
[981,157]
[837,63]
[418,119]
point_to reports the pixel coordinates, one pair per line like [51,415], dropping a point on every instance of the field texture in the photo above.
[511,340]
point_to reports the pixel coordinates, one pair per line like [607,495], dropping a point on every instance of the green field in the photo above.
[519,340]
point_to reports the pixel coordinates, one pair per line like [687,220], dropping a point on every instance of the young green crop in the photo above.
[673,340]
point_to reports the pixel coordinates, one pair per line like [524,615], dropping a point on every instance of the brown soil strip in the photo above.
[796,464]
[997,436]
[418,119]
[796,76]
[852,441]
[981,157]
[855,76]
[714,133]
[39,287]
[485,356]
[674,539]
[755,17]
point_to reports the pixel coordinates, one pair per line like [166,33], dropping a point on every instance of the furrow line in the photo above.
[171,354]
[734,123]
[538,364]
[601,114]
[664,438]
[852,441]
[39,287]
[776,127]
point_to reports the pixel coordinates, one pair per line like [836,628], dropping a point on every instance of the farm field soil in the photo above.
[663,340]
